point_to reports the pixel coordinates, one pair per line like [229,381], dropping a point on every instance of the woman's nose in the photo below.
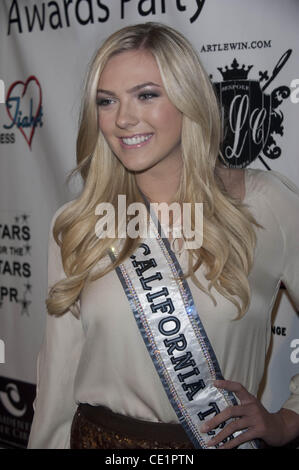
[126,115]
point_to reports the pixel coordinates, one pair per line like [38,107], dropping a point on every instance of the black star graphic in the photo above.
[28,287]
[25,217]
[25,303]
[27,249]
[16,220]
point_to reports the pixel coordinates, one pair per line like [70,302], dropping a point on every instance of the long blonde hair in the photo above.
[229,237]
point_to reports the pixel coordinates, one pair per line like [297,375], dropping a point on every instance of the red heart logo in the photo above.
[34,117]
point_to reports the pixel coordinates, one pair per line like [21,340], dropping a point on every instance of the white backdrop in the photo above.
[45,48]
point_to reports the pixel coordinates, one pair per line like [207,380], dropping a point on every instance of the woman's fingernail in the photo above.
[204,428]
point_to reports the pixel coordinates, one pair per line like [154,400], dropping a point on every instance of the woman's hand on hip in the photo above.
[275,429]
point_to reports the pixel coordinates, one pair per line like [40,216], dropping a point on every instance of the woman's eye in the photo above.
[147,96]
[103,101]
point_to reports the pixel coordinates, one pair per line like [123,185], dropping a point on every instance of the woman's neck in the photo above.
[160,186]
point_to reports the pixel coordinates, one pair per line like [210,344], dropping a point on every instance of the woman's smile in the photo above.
[136,141]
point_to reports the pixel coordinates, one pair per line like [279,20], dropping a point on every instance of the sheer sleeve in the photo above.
[54,405]
[288,213]
[286,206]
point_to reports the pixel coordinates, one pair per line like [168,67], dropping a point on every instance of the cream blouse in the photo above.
[101,358]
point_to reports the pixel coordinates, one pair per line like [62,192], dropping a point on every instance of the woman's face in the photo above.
[140,124]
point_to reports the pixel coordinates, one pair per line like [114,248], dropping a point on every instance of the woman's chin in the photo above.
[136,167]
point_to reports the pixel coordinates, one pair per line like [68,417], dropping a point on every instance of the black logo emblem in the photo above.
[250,115]
[16,412]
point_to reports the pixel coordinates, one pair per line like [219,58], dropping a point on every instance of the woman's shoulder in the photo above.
[233,180]
[250,183]
[269,183]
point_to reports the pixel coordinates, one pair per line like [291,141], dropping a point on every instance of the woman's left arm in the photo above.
[275,429]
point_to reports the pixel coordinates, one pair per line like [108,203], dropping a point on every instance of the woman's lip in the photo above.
[140,144]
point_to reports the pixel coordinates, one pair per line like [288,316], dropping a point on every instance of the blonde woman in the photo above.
[142,331]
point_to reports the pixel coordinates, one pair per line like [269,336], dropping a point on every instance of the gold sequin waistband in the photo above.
[133,428]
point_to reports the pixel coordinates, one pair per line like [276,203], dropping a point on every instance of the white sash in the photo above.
[174,336]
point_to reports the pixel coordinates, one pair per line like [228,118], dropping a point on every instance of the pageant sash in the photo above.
[174,335]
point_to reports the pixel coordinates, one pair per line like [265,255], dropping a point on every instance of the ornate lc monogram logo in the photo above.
[250,115]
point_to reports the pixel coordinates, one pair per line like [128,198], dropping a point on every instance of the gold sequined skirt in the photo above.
[97,427]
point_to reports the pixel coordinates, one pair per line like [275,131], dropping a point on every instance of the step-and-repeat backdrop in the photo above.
[45,47]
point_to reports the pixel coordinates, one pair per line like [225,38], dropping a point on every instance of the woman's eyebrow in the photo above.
[131,90]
